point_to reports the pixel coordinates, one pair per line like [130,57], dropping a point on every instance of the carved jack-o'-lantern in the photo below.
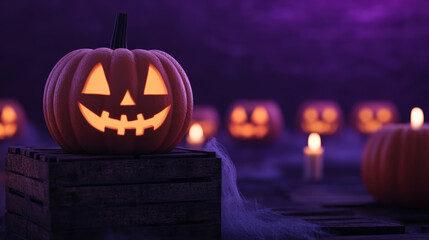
[207,118]
[322,117]
[117,100]
[369,116]
[255,120]
[12,119]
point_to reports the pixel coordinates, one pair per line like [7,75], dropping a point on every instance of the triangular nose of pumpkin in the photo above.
[127,100]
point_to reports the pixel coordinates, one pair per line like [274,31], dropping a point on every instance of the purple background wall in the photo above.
[290,51]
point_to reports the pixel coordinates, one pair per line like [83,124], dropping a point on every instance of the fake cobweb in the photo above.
[243,219]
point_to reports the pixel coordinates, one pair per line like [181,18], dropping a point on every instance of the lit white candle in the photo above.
[417,118]
[313,162]
[195,137]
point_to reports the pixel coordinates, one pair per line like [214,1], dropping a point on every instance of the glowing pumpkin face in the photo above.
[255,120]
[97,84]
[12,119]
[369,116]
[322,117]
[117,100]
[208,118]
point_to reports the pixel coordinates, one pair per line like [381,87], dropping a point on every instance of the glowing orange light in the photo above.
[320,117]
[260,115]
[365,115]
[2,135]
[196,134]
[104,121]
[154,83]
[314,142]
[310,114]
[239,115]
[329,115]
[10,129]
[8,114]
[384,115]
[96,83]
[417,118]
[127,100]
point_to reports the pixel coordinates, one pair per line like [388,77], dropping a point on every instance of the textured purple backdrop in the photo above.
[285,50]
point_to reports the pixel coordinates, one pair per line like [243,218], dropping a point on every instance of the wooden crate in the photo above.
[51,194]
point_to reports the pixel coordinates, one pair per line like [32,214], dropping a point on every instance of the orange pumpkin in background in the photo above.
[369,116]
[208,118]
[255,120]
[320,116]
[395,164]
[12,119]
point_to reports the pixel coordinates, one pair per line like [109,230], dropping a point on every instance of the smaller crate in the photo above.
[51,194]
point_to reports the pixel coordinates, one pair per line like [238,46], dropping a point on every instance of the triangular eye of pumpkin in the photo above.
[96,83]
[154,83]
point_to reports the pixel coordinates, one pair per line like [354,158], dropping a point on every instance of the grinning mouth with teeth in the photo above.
[140,124]
[248,130]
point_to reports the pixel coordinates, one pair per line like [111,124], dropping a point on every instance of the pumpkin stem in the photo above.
[119,38]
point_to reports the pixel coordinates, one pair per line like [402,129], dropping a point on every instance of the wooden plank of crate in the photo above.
[45,153]
[28,152]
[35,232]
[32,187]
[132,171]
[134,194]
[99,216]
[78,157]
[37,212]
[14,149]
[16,224]
[409,236]
[2,227]
[27,166]
[28,209]
[100,171]
[64,156]
[59,150]
[201,231]
[148,214]
[359,226]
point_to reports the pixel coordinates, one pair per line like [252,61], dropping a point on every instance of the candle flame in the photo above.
[196,134]
[417,118]
[314,142]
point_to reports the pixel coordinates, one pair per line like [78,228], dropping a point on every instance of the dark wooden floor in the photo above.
[339,204]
